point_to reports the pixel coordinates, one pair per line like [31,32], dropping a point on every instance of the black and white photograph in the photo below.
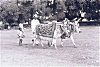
[49,33]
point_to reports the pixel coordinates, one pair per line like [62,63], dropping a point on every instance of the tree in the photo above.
[10,12]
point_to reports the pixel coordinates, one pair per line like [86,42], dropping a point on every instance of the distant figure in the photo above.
[20,36]
[83,15]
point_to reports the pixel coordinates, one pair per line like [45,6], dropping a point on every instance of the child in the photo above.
[20,36]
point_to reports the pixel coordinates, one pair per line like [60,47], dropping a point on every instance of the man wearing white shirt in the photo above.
[34,23]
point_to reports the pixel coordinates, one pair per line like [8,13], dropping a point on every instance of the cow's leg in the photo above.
[35,41]
[62,42]
[54,43]
[49,43]
[72,39]
[39,40]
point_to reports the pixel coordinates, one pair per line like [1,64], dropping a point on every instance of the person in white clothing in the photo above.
[34,23]
[83,18]
[21,26]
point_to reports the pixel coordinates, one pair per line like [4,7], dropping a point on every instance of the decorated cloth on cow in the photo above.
[46,30]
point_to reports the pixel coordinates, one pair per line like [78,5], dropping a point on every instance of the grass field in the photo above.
[87,53]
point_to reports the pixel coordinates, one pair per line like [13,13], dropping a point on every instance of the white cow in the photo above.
[61,31]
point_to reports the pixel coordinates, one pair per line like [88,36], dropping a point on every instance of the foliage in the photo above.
[10,11]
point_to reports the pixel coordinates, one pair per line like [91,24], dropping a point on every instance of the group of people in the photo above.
[35,22]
